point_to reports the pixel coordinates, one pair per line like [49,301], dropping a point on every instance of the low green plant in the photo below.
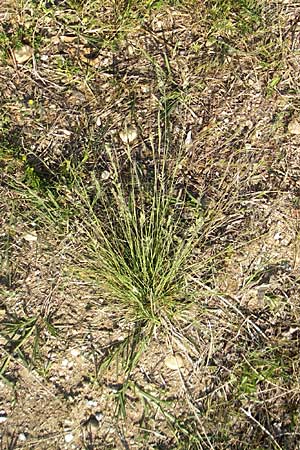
[262,367]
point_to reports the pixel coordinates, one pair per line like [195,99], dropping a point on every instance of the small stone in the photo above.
[105,175]
[69,437]
[277,236]
[91,403]
[174,362]
[188,139]
[261,291]
[3,418]
[130,50]
[99,416]
[98,122]
[294,127]
[75,352]
[129,135]
[30,237]
[22,437]
[23,54]
[145,89]
[66,364]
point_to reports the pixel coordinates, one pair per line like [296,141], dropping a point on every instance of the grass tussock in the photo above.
[139,239]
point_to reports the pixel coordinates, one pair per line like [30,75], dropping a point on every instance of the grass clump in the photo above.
[140,239]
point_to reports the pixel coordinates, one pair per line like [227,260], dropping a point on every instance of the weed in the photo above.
[67,68]
[271,88]
[184,429]
[232,19]
[258,369]
[21,335]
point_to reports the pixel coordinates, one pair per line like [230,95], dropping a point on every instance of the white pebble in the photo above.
[66,364]
[99,416]
[188,139]
[69,437]
[22,437]
[75,352]
[91,403]
[3,419]
[105,175]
